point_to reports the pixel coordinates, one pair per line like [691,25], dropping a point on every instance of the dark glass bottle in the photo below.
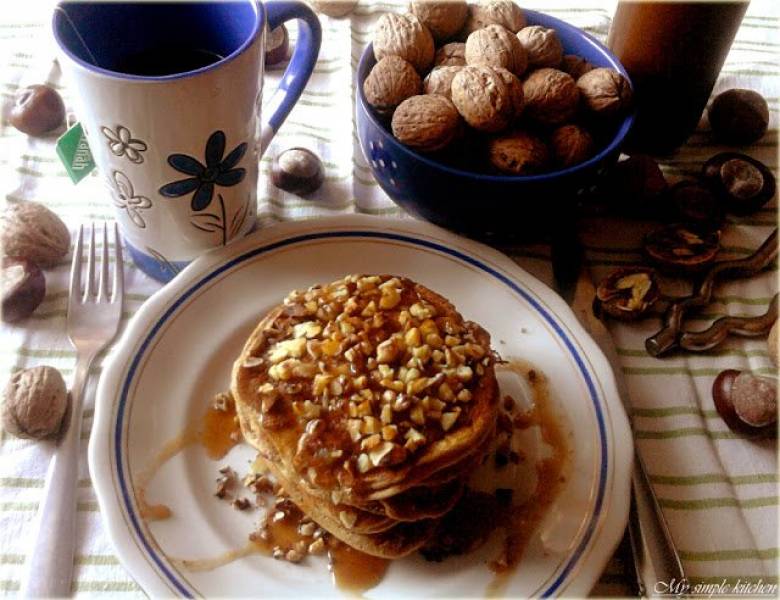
[673,52]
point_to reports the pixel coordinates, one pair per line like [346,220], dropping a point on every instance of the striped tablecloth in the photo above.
[718,491]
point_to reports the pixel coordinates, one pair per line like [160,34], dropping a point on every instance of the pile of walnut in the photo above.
[446,70]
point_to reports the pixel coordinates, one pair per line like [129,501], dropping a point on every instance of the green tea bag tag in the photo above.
[74,152]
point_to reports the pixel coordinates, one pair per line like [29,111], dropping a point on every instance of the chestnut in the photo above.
[277,46]
[693,202]
[682,248]
[23,289]
[635,186]
[746,402]
[627,293]
[37,110]
[738,116]
[298,171]
[741,182]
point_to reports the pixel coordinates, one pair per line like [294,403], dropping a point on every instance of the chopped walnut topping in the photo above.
[241,503]
[223,402]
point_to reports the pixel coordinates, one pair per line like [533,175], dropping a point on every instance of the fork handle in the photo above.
[49,567]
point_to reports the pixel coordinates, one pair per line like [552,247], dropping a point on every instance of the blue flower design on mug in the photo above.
[216,172]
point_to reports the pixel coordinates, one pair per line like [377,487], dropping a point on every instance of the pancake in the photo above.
[370,396]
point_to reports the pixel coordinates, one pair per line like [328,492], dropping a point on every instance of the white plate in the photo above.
[176,354]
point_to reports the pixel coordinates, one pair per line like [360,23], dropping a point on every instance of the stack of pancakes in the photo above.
[371,400]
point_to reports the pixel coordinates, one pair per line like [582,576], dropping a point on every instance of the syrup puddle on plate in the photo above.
[356,572]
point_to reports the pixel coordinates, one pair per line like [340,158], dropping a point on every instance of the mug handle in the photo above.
[300,67]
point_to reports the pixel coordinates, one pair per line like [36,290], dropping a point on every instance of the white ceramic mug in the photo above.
[169,96]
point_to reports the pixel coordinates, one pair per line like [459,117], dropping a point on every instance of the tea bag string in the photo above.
[78,34]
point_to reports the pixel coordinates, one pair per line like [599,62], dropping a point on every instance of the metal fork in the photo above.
[94,312]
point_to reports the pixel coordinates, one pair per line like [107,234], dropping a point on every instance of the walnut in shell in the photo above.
[518,153]
[31,231]
[551,96]
[542,45]
[406,37]
[444,18]
[427,123]
[496,46]
[34,403]
[450,55]
[515,87]
[439,81]
[571,145]
[495,12]
[390,82]
[576,66]
[482,98]
[605,92]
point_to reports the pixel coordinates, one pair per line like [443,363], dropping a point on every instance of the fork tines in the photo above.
[97,290]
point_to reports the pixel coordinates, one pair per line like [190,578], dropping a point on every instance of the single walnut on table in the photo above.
[571,145]
[390,82]
[518,153]
[427,123]
[444,18]
[495,12]
[496,46]
[31,231]
[482,98]
[605,92]
[551,96]
[439,81]
[542,45]
[34,403]
[450,55]
[406,37]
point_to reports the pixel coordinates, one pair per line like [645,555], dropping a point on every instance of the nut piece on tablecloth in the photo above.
[37,110]
[277,45]
[682,248]
[34,403]
[444,18]
[334,8]
[427,123]
[627,294]
[739,116]
[450,55]
[515,87]
[576,66]
[439,81]
[571,144]
[22,287]
[482,98]
[746,402]
[390,82]
[542,45]
[518,153]
[693,202]
[605,92]
[298,171]
[741,182]
[773,345]
[496,46]
[404,36]
[551,96]
[32,231]
[495,12]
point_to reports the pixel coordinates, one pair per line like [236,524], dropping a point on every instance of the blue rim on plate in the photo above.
[127,380]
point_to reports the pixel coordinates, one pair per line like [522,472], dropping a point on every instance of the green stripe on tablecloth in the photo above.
[733,579]
[33,482]
[667,434]
[83,559]
[692,372]
[720,502]
[670,411]
[742,554]
[106,586]
[10,585]
[711,353]
[708,478]
[33,506]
